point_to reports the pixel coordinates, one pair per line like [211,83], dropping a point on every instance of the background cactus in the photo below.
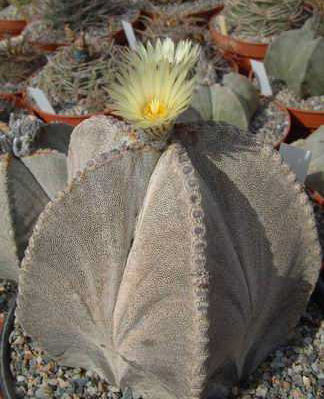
[235,102]
[27,184]
[152,269]
[315,144]
[252,18]
[299,67]
[80,14]
[77,78]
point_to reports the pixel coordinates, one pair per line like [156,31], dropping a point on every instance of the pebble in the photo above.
[269,123]
[288,98]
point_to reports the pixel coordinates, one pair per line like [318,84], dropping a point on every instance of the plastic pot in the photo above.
[15,98]
[6,379]
[316,197]
[11,27]
[312,120]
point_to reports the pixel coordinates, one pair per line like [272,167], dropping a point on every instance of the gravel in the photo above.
[270,122]
[288,98]
[293,371]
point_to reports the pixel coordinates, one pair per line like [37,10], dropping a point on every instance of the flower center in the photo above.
[154,110]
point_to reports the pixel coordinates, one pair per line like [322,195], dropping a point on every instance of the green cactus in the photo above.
[296,58]
[235,102]
[315,144]
[27,184]
[153,263]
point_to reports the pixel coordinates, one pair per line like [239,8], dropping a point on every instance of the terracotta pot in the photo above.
[316,197]
[11,27]
[310,119]
[238,47]
[16,98]
[72,120]
[47,47]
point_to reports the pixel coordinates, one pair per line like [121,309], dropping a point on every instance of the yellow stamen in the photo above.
[154,110]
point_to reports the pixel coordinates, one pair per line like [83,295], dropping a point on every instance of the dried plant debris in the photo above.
[76,80]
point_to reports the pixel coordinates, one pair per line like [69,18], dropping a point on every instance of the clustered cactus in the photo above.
[263,18]
[151,266]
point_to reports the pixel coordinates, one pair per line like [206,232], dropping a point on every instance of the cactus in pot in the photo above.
[300,67]
[32,171]
[151,266]
[235,101]
[253,19]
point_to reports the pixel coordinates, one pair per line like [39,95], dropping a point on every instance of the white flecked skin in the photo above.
[173,274]
[27,184]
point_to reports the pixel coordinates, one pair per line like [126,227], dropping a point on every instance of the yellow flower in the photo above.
[155,85]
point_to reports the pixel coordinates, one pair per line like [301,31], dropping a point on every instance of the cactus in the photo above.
[27,184]
[315,144]
[80,14]
[79,75]
[236,101]
[152,268]
[252,18]
[299,67]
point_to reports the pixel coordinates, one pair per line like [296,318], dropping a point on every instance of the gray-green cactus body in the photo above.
[27,184]
[315,144]
[296,57]
[172,273]
[235,101]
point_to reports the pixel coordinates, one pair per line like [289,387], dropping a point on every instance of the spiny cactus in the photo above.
[299,67]
[80,76]
[152,268]
[80,14]
[18,61]
[176,11]
[236,101]
[315,144]
[263,18]
[27,184]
